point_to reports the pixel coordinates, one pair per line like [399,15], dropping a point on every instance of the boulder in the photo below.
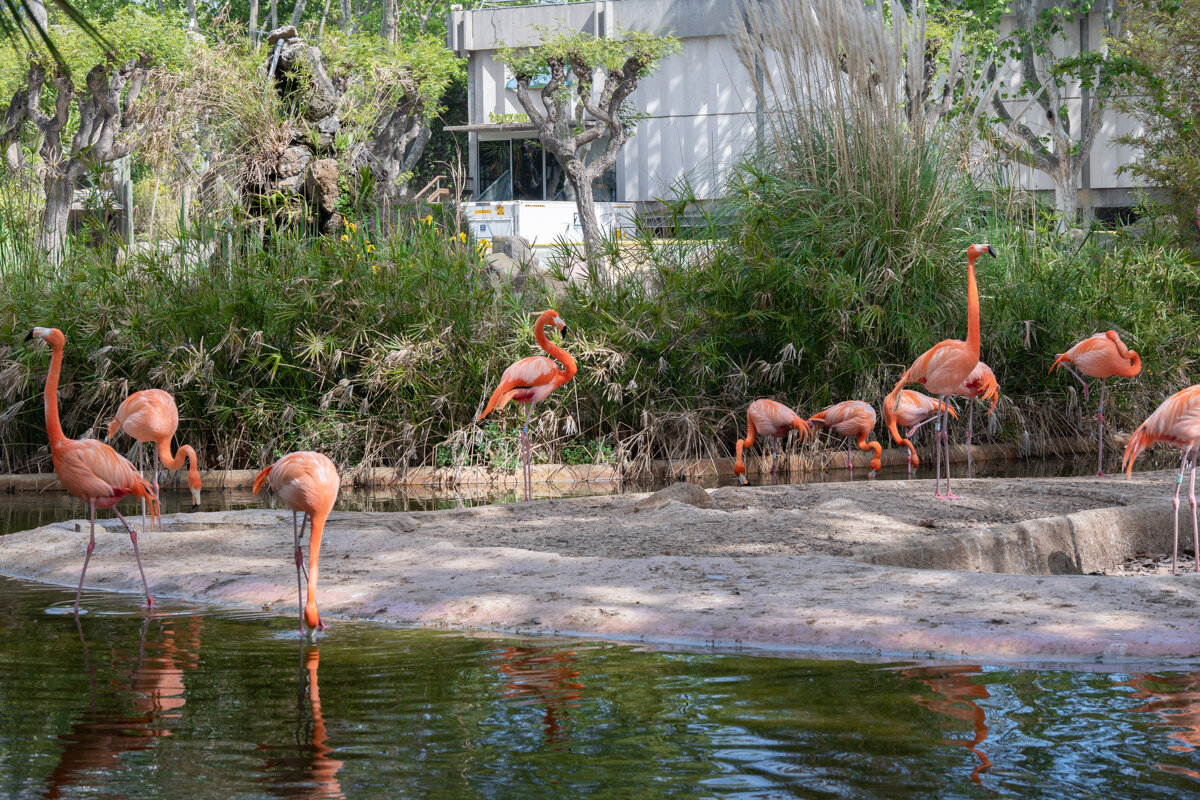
[321,185]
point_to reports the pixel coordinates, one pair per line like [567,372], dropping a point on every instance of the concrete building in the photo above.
[700,107]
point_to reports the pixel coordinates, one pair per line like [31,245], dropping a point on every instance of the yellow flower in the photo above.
[374,269]
[483,245]
[370,247]
[353,228]
[345,238]
[462,237]
[428,219]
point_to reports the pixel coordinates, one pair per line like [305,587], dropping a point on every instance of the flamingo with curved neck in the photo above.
[530,381]
[770,418]
[944,367]
[909,409]
[1103,356]
[88,468]
[152,416]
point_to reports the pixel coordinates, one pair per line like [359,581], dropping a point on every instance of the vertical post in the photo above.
[123,189]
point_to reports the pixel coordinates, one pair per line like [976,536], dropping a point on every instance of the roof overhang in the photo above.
[494,127]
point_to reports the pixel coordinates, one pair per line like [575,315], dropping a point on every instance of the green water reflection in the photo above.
[196,703]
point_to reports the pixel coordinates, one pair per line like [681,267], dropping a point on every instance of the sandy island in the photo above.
[772,568]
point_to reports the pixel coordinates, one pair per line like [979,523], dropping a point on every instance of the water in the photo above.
[126,703]
[121,703]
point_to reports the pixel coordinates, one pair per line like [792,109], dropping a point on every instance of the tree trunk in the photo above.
[60,194]
[254,22]
[1066,196]
[387,25]
[191,9]
[297,13]
[274,14]
[347,12]
[593,235]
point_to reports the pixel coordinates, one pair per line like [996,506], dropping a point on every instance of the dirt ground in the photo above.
[757,567]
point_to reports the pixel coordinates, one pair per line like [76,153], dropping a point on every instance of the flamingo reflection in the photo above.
[130,711]
[535,676]
[312,771]
[958,691]
[1176,699]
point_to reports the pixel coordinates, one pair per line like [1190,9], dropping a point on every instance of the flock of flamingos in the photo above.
[308,482]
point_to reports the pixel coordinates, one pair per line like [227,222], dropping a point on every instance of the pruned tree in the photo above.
[1049,140]
[81,128]
[571,120]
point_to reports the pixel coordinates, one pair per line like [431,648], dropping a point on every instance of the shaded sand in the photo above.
[756,567]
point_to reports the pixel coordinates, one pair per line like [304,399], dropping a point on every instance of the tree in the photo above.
[105,125]
[1045,77]
[570,119]
[1162,92]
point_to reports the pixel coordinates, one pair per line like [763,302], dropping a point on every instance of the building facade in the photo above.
[700,109]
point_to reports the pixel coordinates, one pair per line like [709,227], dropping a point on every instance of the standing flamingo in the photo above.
[980,383]
[853,419]
[1176,422]
[768,418]
[531,380]
[308,482]
[942,368]
[1103,356]
[911,410]
[88,468]
[152,416]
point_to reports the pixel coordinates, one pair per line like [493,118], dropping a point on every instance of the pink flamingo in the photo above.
[853,419]
[152,416]
[910,410]
[980,383]
[308,482]
[88,468]
[770,419]
[1103,356]
[1176,422]
[943,368]
[530,381]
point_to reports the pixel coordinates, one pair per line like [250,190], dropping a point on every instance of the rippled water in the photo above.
[196,703]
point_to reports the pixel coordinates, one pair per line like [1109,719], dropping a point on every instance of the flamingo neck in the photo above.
[173,462]
[972,308]
[1135,365]
[312,618]
[54,429]
[555,352]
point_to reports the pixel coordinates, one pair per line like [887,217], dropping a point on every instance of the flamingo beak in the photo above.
[742,480]
[29,336]
[991,252]
[563,331]
[195,499]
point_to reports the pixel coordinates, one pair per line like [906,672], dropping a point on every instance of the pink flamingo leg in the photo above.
[527,455]
[91,546]
[849,458]
[1178,485]
[774,455]
[946,444]
[1100,473]
[937,454]
[136,554]
[156,492]
[970,437]
[1079,378]
[1195,527]
[142,471]
[296,534]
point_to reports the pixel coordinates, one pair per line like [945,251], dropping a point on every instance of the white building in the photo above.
[701,110]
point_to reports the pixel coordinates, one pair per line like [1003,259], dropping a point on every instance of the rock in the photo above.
[321,185]
[686,493]
[285,33]
[293,161]
[327,129]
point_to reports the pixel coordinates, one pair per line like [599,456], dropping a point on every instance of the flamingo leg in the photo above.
[91,546]
[156,492]
[1079,378]
[849,458]
[136,554]
[526,455]
[1178,485]
[774,455]
[1195,527]
[937,453]
[142,471]
[1100,473]
[946,444]
[296,533]
[970,437]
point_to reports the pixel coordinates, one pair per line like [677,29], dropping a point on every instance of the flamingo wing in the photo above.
[535,376]
[306,481]
[91,470]
[942,368]
[147,416]
[1176,421]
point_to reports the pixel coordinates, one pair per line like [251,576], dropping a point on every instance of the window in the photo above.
[521,169]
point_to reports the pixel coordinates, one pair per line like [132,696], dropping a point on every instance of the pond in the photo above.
[122,703]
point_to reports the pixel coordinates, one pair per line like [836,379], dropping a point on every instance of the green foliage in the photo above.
[1163,94]
[641,51]
[373,71]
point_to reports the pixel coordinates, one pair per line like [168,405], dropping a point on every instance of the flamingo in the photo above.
[1176,422]
[88,468]
[943,368]
[152,416]
[853,419]
[911,410]
[530,381]
[308,482]
[980,383]
[770,419]
[1103,356]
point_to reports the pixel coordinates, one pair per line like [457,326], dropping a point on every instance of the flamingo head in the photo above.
[551,317]
[739,472]
[976,250]
[48,335]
